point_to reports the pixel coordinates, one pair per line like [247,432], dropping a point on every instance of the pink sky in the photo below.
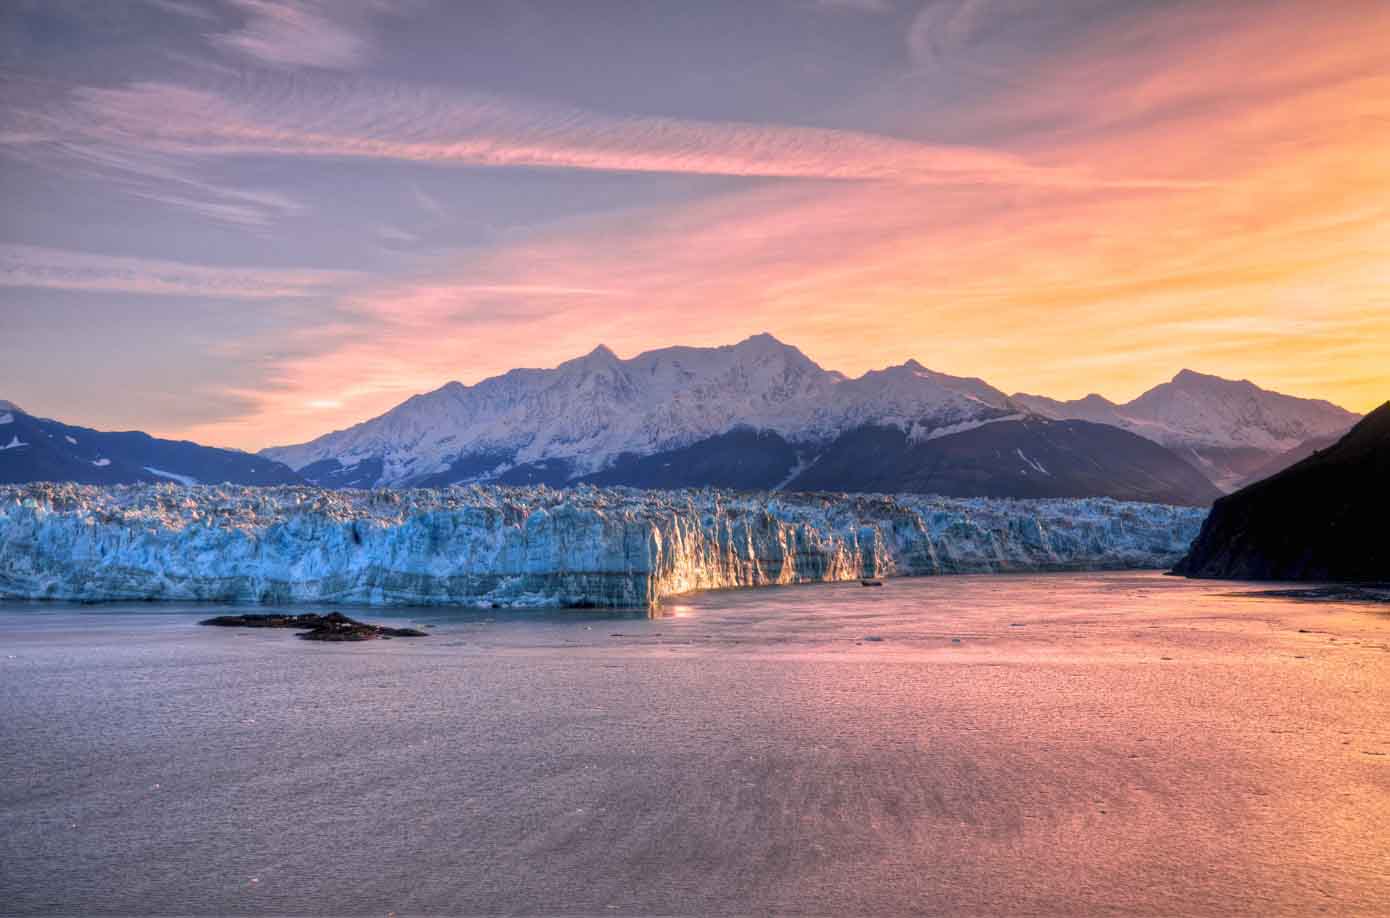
[1188,187]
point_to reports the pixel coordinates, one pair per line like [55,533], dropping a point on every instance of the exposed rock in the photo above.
[334,626]
[1324,518]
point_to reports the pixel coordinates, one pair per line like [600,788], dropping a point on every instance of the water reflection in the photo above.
[1059,745]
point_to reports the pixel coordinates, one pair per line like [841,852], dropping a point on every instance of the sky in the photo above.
[249,222]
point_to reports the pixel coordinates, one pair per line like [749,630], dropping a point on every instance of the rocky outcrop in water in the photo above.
[335,626]
[502,546]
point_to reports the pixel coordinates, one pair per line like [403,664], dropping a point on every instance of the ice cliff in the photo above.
[586,546]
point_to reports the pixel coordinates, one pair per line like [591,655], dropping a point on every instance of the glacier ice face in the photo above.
[481,545]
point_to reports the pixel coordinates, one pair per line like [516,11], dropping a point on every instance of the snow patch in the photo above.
[172,476]
[963,426]
[1036,465]
[72,440]
[6,418]
[15,443]
[802,464]
[101,463]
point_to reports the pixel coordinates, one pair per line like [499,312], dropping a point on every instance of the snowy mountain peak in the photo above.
[1186,376]
[600,356]
[764,346]
[10,406]
[1227,428]
[765,340]
[585,415]
[1192,381]
[589,411]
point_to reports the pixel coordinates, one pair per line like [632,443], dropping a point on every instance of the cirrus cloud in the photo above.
[61,269]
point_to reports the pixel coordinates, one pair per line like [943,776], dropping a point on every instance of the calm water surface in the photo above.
[1049,745]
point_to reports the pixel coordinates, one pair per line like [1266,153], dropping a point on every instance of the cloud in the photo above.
[270,115]
[856,6]
[1273,231]
[428,202]
[35,266]
[153,139]
[294,33]
[943,28]
[184,8]
[41,128]
[1262,216]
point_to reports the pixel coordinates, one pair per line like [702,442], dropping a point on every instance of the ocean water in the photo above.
[1036,745]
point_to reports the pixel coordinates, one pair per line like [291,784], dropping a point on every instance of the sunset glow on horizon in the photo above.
[1059,201]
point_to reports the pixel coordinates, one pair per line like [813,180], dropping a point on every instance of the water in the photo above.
[1056,744]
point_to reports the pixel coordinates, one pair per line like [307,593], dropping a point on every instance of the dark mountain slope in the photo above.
[1324,518]
[1294,456]
[745,459]
[1034,457]
[38,449]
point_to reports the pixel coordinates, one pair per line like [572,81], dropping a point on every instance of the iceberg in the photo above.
[536,546]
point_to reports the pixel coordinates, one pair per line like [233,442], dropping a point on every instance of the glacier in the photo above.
[536,546]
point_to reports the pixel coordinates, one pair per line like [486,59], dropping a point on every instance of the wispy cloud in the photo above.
[36,266]
[428,202]
[856,6]
[295,33]
[1039,288]
[184,8]
[269,115]
[37,127]
[1181,180]
[943,29]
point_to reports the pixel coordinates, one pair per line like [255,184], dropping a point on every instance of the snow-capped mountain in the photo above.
[581,417]
[761,415]
[39,449]
[757,415]
[1228,429]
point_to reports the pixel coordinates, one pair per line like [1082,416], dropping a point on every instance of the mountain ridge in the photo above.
[1227,429]
[598,417]
[42,449]
[589,410]
[757,414]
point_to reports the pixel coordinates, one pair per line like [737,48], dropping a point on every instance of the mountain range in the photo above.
[761,414]
[1233,431]
[758,415]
